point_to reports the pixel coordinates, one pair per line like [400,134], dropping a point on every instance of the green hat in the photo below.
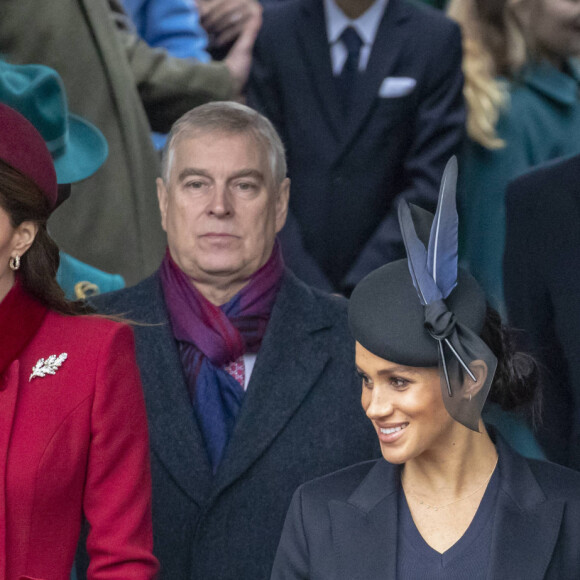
[37,92]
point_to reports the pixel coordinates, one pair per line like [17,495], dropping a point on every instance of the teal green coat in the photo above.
[79,280]
[542,122]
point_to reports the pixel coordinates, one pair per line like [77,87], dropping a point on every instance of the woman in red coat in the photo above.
[73,432]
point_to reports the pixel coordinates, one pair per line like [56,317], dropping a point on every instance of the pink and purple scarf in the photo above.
[210,337]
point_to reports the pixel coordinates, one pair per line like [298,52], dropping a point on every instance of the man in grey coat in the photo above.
[248,373]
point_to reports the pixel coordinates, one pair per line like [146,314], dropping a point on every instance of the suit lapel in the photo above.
[526,526]
[315,49]
[392,37]
[8,396]
[175,435]
[289,363]
[364,529]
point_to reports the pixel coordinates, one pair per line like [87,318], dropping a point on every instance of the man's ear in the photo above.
[23,237]
[282,204]
[163,198]
[479,370]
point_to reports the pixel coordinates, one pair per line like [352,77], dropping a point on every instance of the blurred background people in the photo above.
[77,148]
[522,92]
[173,25]
[74,440]
[542,293]
[124,87]
[367,97]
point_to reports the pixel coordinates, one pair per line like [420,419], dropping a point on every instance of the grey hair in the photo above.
[228,117]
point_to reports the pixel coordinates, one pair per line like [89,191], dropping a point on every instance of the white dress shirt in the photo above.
[366,26]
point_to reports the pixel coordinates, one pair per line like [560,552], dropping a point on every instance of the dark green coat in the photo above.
[541,122]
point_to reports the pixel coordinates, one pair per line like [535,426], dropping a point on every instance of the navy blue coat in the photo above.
[348,172]
[301,418]
[344,526]
[542,292]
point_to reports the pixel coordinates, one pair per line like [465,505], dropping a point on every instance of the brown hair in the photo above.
[23,201]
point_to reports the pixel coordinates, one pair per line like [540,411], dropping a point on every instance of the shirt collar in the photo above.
[366,24]
[553,83]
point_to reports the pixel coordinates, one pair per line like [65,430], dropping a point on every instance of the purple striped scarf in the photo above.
[210,337]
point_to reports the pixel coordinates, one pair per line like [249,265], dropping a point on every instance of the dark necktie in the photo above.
[349,75]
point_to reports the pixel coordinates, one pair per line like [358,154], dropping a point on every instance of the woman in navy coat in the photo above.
[448,500]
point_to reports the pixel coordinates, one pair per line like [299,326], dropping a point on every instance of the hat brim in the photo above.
[85,151]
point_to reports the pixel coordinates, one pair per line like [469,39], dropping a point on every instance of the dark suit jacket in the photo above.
[542,292]
[348,172]
[344,526]
[301,418]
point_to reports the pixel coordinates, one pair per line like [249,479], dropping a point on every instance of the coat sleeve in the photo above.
[117,498]
[439,130]
[171,86]
[292,558]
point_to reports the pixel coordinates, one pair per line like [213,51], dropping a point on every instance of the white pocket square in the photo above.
[396,87]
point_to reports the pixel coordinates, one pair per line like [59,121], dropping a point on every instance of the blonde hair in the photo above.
[494,45]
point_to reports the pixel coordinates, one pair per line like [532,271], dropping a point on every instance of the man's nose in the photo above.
[220,203]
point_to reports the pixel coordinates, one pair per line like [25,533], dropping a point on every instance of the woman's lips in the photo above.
[391,433]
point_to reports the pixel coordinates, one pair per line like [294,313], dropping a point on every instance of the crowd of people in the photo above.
[288,290]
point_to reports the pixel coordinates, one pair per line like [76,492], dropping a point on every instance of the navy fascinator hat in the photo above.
[425,311]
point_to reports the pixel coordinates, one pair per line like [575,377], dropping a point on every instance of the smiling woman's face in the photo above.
[405,406]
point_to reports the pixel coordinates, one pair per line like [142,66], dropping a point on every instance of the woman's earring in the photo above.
[15,262]
[469,396]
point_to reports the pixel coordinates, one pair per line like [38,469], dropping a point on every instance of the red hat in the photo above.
[23,148]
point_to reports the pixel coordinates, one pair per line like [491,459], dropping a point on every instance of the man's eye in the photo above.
[194,184]
[246,186]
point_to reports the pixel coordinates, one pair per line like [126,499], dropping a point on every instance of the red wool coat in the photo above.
[75,442]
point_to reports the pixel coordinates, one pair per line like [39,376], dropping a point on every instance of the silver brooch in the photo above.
[47,367]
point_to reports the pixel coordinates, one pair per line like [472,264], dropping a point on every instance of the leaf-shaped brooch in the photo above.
[47,367]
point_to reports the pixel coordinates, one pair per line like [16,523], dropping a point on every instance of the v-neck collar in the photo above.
[478,525]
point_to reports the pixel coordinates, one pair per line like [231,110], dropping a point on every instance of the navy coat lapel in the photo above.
[315,49]
[289,363]
[393,35]
[526,526]
[175,437]
[364,529]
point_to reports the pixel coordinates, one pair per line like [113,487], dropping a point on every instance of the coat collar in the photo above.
[522,507]
[364,528]
[20,318]
[553,83]
[174,434]
[9,383]
[294,346]
[390,40]
[270,401]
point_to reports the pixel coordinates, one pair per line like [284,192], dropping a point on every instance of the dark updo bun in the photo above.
[516,381]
